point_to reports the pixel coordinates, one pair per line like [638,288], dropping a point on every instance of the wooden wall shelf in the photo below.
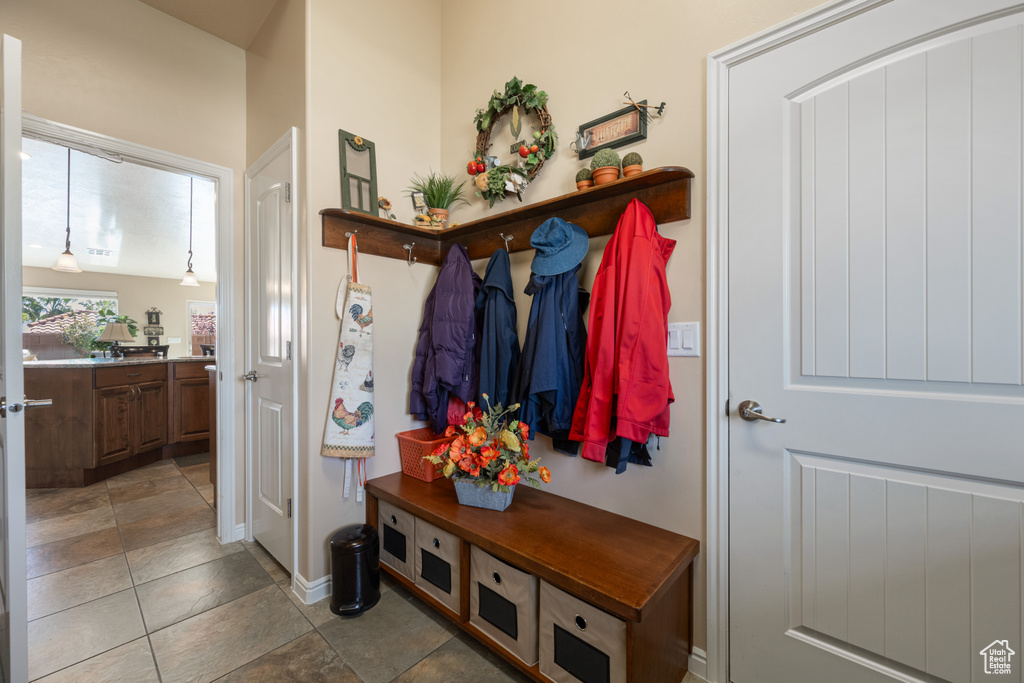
[665,190]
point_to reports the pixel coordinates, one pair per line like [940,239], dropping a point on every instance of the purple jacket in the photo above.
[447,353]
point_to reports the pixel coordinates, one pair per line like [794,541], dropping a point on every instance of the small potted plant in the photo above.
[632,164]
[605,166]
[488,457]
[440,192]
[584,179]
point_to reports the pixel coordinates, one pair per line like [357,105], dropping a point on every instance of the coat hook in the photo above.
[506,239]
[349,234]
[408,248]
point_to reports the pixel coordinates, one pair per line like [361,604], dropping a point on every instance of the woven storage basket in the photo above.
[413,445]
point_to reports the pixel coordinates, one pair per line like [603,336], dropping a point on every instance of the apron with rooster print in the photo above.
[349,431]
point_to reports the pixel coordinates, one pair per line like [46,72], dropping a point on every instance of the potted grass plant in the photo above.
[632,164]
[584,179]
[604,167]
[440,192]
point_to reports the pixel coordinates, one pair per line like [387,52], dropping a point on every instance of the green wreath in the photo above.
[494,184]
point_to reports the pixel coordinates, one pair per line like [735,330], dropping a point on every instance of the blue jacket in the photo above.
[447,353]
[499,344]
[551,370]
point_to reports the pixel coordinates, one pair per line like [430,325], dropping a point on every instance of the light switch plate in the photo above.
[684,339]
[174,340]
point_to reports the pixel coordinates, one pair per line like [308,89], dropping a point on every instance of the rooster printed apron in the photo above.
[349,430]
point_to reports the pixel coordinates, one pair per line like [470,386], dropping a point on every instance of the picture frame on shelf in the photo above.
[621,127]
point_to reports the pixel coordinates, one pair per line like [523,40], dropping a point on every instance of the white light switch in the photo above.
[684,339]
[174,340]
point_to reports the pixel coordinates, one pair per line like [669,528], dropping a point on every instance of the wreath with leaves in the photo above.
[495,183]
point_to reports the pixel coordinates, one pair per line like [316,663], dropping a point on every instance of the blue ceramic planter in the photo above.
[477,496]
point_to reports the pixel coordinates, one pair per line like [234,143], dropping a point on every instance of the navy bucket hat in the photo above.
[560,247]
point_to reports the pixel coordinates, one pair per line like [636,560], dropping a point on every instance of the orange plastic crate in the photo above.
[415,444]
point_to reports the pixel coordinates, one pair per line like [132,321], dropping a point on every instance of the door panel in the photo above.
[150,416]
[113,430]
[269,401]
[875,246]
[13,607]
[192,409]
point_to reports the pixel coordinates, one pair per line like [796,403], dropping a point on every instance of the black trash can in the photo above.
[355,569]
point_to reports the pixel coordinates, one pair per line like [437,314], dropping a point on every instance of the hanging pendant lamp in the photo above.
[190,278]
[66,262]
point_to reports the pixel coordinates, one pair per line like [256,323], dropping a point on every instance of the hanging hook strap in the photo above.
[353,257]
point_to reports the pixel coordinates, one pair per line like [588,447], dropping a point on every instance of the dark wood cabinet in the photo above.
[129,419]
[109,418]
[190,399]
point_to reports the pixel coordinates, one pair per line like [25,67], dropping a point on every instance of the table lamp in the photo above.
[115,332]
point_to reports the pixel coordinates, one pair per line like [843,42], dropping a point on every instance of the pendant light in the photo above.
[190,278]
[66,262]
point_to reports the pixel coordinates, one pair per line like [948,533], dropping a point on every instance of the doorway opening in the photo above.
[110,242]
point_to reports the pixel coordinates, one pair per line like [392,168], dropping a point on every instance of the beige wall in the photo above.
[374,70]
[135,296]
[275,79]
[123,69]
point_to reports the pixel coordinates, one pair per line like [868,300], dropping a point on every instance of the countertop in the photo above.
[111,362]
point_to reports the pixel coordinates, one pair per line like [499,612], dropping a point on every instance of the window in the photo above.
[49,316]
[202,327]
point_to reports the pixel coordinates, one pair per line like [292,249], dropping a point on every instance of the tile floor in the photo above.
[127,582]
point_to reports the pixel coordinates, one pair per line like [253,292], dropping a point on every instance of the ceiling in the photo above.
[236,21]
[137,213]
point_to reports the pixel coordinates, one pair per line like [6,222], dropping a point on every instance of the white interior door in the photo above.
[270,397]
[13,571]
[875,298]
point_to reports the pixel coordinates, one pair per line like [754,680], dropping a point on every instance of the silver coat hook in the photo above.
[408,248]
[349,234]
[506,239]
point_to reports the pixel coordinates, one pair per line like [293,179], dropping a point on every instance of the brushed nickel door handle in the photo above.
[751,412]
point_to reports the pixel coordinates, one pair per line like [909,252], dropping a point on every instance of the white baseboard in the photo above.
[239,532]
[698,665]
[312,591]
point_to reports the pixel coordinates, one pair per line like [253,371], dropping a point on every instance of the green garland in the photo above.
[534,101]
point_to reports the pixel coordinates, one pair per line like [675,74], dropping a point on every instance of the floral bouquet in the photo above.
[491,452]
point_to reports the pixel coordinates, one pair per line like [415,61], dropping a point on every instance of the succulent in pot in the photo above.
[605,166]
[584,179]
[632,164]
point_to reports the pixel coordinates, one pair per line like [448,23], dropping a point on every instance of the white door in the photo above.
[269,331]
[875,297]
[13,569]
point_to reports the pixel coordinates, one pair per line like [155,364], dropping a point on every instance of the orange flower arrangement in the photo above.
[490,449]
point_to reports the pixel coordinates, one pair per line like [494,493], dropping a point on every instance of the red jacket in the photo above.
[626,380]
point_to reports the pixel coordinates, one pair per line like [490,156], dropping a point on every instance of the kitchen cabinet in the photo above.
[107,417]
[190,399]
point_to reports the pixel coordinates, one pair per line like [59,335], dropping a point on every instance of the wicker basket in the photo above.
[415,444]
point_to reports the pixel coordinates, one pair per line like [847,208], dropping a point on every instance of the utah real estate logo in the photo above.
[997,657]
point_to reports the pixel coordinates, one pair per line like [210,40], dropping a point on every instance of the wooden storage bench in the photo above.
[633,581]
